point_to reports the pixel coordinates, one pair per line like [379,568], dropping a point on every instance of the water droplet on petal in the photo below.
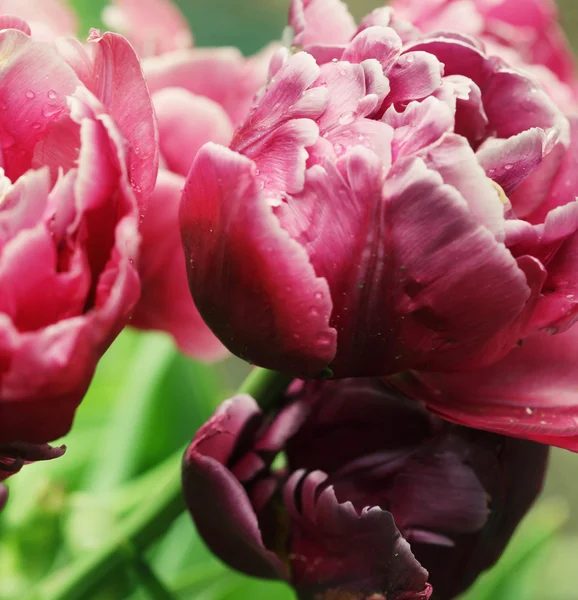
[347,118]
[508,166]
[313,312]
[52,94]
[30,94]
[318,295]
[6,140]
[529,410]
[323,339]
[409,59]
[339,149]
[491,172]
[333,60]
[50,111]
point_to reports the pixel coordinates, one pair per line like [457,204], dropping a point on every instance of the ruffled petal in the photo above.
[253,284]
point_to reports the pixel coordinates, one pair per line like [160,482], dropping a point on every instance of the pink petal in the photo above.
[118,82]
[35,83]
[456,162]
[509,161]
[531,393]
[414,76]
[380,43]
[185,123]
[152,26]
[165,302]
[405,261]
[43,15]
[418,126]
[271,295]
[220,74]
[320,22]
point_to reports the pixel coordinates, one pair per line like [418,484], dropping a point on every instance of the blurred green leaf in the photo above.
[89,12]
[509,578]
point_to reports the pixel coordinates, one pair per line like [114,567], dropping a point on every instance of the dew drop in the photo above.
[491,172]
[52,94]
[347,118]
[339,149]
[333,60]
[30,94]
[323,339]
[36,125]
[313,312]
[318,295]
[529,411]
[409,59]
[6,140]
[51,111]
[508,166]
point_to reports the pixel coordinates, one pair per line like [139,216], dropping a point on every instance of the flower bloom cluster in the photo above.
[391,203]
[399,203]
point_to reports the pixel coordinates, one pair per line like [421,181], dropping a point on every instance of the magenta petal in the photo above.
[320,22]
[253,286]
[419,125]
[35,84]
[410,298]
[456,162]
[532,393]
[185,123]
[118,82]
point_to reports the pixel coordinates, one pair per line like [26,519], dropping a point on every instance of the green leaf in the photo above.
[509,578]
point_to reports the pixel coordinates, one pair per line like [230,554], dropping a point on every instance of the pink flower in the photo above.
[46,18]
[199,95]
[377,496]
[78,154]
[152,26]
[526,33]
[384,206]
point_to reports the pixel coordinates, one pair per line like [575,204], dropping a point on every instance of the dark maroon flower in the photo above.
[376,490]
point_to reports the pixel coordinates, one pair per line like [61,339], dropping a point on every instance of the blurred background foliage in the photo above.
[147,401]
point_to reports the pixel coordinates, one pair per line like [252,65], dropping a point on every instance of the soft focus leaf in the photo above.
[508,578]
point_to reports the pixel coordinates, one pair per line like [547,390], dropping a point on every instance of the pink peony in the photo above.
[78,154]
[384,206]
[152,26]
[46,18]
[199,95]
[523,32]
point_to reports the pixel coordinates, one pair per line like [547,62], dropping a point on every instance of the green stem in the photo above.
[155,588]
[265,386]
[149,523]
